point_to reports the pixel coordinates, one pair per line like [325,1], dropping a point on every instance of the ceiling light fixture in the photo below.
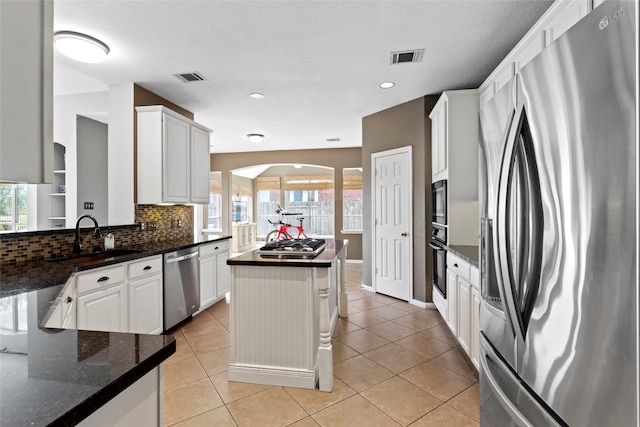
[80,47]
[255,137]
[256,95]
[387,85]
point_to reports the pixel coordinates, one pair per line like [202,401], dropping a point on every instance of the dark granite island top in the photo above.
[61,376]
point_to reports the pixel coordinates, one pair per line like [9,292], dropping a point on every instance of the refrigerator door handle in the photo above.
[504,264]
[522,211]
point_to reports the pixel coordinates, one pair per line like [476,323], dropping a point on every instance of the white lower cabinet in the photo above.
[475,326]
[464,314]
[145,295]
[452,301]
[214,272]
[145,305]
[125,297]
[463,305]
[103,309]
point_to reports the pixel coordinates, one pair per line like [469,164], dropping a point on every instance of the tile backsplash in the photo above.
[161,223]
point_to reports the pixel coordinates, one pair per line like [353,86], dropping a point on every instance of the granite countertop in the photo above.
[40,274]
[331,251]
[468,253]
[60,376]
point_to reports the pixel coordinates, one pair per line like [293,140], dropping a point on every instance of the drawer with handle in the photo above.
[99,278]
[458,265]
[145,267]
[213,248]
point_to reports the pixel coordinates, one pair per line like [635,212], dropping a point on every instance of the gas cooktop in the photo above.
[294,248]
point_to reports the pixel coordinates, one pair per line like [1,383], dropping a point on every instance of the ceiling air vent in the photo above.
[407,56]
[333,139]
[190,77]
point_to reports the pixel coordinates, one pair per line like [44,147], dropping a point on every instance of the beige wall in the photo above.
[404,125]
[337,159]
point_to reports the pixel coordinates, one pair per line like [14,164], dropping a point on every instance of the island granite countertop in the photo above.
[331,251]
[61,376]
[54,377]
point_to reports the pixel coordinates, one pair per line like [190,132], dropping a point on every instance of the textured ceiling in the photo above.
[318,63]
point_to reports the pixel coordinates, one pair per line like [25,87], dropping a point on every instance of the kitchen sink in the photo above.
[93,256]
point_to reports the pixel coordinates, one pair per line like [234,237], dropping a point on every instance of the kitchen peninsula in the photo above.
[51,376]
[283,312]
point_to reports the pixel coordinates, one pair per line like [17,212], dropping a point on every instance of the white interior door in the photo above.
[392,223]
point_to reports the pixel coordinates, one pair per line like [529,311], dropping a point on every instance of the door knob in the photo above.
[404,234]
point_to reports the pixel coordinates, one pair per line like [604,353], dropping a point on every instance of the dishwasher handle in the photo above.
[181,258]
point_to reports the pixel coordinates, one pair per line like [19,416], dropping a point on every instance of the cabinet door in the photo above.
[103,310]
[199,165]
[475,327]
[464,314]
[208,292]
[68,303]
[145,305]
[439,140]
[452,301]
[175,160]
[222,273]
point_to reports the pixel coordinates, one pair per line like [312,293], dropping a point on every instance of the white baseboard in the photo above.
[354,261]
[422,304]
[272,376]
[366,288]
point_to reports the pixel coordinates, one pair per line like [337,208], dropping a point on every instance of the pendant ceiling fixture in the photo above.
[80,47]
[255,137]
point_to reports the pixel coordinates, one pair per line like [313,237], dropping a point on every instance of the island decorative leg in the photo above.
[325,350]
[342,286]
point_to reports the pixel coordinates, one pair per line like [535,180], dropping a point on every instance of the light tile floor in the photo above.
[394,365]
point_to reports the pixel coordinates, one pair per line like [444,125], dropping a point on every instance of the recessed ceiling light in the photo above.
[80,47]
[387,85]
[256,95]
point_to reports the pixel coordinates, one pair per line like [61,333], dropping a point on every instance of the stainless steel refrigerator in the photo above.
[559,240]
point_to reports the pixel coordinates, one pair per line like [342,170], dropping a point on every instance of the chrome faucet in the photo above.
[77,244]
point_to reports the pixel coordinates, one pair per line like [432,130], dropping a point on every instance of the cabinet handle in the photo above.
[404,234]
[103,279]
[455,264]
[216,248]
[69,300]
[148,267]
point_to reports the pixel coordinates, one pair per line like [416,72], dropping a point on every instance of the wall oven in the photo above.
[439,202]
[438,244]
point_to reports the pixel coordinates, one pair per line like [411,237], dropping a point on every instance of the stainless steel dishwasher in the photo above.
[181,286]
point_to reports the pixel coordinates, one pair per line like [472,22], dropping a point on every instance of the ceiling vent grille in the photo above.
[333,139]
[407,56]
[190,77]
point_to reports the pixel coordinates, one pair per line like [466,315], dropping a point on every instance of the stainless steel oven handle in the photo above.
[436,247]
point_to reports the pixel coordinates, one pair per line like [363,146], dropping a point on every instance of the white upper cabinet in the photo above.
[172,158]
[560,16]
[438,118]
[26,104]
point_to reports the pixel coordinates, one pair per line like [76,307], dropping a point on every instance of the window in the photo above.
[13,207]
[352,200]
[312,198]
[215,201]
[268,188]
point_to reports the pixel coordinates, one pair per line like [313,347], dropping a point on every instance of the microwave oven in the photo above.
[439,202]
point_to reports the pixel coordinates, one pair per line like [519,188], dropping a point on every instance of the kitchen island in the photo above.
[283,312]
[51,376]
[68,377]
